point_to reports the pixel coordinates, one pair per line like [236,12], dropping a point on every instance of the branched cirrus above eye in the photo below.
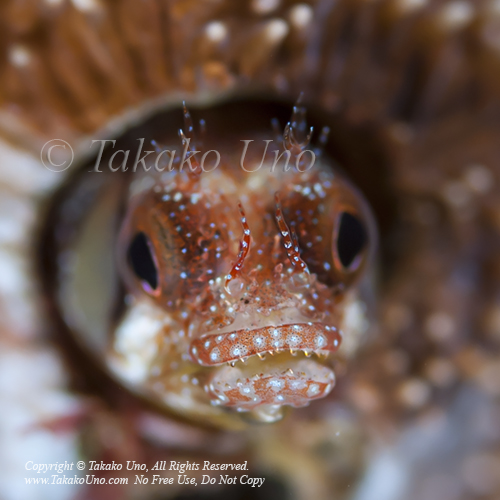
[141,260]
[351,238]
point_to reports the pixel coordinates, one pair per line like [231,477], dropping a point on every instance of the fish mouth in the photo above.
[291,378]
[245,389]
[216,349]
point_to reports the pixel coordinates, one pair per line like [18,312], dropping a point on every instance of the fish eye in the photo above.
[351,240]
[142,262]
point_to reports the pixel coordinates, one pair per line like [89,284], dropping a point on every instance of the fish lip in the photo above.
[232,388]
[215,349]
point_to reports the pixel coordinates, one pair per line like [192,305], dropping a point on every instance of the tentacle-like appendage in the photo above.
[188,121]
[190,142]
[290,242]
[295,136]
[244,249]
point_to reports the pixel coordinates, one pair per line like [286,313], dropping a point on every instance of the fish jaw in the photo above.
[214,349]
[288,379]
[240,388]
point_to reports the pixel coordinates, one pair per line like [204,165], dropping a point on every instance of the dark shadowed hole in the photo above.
[141,260]
[351,238]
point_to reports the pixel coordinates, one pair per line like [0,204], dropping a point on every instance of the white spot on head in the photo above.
[294,340]
[178,196]
[207,344]
[215,354]
[318,187]
[194,198]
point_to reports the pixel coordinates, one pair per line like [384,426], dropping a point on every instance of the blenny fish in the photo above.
[253,264]
[127,297]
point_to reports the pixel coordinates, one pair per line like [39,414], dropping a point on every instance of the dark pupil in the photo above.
[141,260]
[351,238]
